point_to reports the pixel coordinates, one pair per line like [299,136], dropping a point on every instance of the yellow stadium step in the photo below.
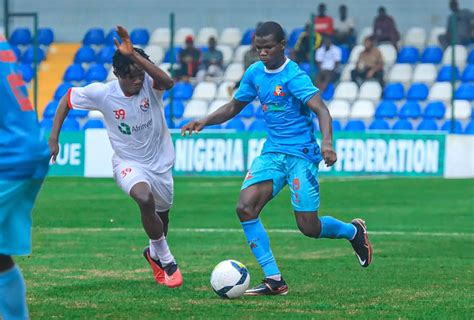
[51,71]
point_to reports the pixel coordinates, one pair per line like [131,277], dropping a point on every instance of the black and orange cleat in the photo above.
[268,287]
[158,272]
[361,243]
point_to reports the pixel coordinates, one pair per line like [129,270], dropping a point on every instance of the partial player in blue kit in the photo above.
[24,160]
[290,156]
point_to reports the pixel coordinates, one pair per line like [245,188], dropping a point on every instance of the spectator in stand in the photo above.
[211,63]
[189,59]
[385,29]
[369,65]
[300,53]
[251,55]
[328,58]
[344,29]
[322,23]
[464,20]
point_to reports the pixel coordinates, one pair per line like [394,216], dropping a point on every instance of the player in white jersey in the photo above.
[144,155]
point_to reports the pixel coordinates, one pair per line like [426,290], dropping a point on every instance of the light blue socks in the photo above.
[335,229]
[259,243]
[13,295]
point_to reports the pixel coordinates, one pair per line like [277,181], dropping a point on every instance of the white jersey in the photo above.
[136,125]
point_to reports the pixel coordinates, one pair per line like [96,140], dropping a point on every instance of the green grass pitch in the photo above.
[87,244]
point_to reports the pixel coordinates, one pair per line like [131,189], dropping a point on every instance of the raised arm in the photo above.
[61,114]
[162,80]
[221,115]
[325,124]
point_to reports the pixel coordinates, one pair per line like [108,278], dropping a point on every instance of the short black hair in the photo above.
[271,28]
[122,64]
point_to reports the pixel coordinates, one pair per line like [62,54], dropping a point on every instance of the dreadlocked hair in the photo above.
[122,64]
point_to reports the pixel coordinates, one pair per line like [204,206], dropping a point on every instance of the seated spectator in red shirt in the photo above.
[189,59]
[322,23]
[385,29]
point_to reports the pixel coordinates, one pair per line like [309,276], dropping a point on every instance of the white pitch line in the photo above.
[236,230]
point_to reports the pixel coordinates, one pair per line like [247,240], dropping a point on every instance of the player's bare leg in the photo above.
[328,227]
[158,255]
[251,202]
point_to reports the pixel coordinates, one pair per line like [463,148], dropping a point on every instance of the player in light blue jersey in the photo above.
[290,155]
[24,157]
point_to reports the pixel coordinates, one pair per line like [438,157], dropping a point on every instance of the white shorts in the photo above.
[127,174]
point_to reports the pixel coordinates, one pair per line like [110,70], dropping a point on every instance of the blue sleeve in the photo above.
[302,87]
[247,91]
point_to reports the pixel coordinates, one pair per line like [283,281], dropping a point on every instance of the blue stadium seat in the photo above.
[447,127]
[94,36]
[345,53]
[61,90]
[27,72]
[46,124]
[85,54]
[379,124]
[432,54]
[109,39]
[469,128]
[45,36]
[468,73]
[393,91]
[21,37]
[247,112]
[444,73]
[183,90]
[386,109]
[258,125]
[418,91]
[427,125]
[470,58]
[140,36]
[465,92]
[70,124]
[96,72]
[329,92]
[411,109]
[168,56]
[236,124]
[294,37]
[28,55]
[75,72]
[434,110]
[50,109]
[17,52]
[247,37]
[306,67]
[355,125]
[77,113]
[259,112]
[336,125]
[408,55]
[106,54]
[214,127]
[178,109]
[402,124]
[93,124]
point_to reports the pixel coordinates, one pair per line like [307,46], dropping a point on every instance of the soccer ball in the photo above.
[230,279]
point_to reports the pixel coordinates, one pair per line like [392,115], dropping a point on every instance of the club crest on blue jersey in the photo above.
[145,104]
[278,92]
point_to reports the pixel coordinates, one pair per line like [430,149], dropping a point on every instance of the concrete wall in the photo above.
[71,18]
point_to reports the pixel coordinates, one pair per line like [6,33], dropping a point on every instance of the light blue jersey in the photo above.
[22,148]
[283,94]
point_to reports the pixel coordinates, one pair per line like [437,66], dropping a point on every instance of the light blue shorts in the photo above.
[17,198]
[300,174]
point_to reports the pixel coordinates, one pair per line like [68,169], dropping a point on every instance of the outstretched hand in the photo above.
[329,155]
[125,47]
[193,126]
